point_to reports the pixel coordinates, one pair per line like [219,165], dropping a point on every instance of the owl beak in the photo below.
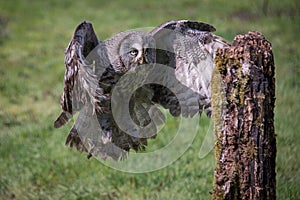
[140,60]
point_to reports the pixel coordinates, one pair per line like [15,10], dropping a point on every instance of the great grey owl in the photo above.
[94,68]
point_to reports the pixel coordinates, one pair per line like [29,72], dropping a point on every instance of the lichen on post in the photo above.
[243,100]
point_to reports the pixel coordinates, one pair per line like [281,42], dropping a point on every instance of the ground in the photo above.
[35,164]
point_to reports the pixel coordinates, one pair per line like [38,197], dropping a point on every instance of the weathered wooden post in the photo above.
[243,99]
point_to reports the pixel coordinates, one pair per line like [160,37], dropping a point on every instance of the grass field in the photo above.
[35,163]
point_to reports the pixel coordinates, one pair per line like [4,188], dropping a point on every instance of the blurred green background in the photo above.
[35,163]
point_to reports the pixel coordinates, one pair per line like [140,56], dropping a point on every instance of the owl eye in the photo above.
[134,52]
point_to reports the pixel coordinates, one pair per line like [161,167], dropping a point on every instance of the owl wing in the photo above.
[79,82]
[188,47]
[83,59]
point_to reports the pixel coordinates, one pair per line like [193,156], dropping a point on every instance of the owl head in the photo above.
[132,48]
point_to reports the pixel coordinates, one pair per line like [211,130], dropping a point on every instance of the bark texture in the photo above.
[243,100]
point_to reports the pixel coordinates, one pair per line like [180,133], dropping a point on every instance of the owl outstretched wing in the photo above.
[79,81]
[189,48]
[81,90]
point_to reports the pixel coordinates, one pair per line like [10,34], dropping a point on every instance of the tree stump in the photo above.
[243,100]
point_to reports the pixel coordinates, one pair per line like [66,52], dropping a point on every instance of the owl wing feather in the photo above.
[81,90]
[82,43]
[188,47]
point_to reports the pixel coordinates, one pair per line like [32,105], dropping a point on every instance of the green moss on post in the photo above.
[243,100]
